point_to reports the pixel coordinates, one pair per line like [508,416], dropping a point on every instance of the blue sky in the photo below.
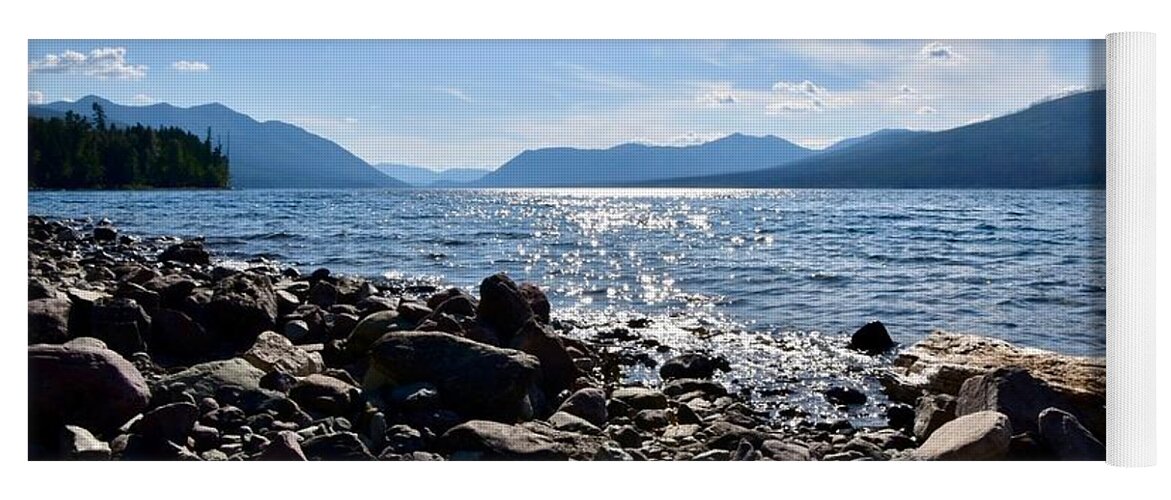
[447,104]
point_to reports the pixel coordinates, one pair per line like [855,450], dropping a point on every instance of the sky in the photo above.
[445,104]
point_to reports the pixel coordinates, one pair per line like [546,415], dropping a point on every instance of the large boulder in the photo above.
[931,413]
[1067,438]
[502,306]
[537,300]
[121,323]
[274,352]
[872,339]
[588,403]
[693,365]
[82,385]
[497,441]
[174,333]
[326,395]
[984,435]
[940,363]
[558,371]
[187,252]
[48,321]
[205,379]
[372,328]
[1011,391]
[473,379]
[241,307]
[168,423]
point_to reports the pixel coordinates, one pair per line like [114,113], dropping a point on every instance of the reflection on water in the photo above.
[1026,266]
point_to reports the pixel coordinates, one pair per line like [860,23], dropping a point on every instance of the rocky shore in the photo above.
[151,349]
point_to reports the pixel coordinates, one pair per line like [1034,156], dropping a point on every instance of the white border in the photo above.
[517,19]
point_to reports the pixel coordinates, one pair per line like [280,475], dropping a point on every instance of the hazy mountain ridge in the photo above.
[632,163]
[1059,143]
[425,177]
[269,154]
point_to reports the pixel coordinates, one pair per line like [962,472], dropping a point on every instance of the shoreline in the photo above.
[184,359]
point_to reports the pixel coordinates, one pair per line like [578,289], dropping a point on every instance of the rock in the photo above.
[274,352]
[563,421]
[48,321]
[121,323]
[499,441]
[984,435]
[785,451]
[415,311]
[650,420]
[746,453]
[626,436]
[640,398]
[845,396]
[538,302]
[403,439]
[286,301]
[693,366]
[473,379]
[326,395]
[727,436]
[558,370]
[713,456]
[242,307]
[187,252]
[459,305]
[588,403]
[278,381]
[296,330]
[940,363]
[931,413]
[79,385]
[172,422]
[1011,391]
[871,339]
[283,447]
[1068,439]
[211,378]
[176,334]
[336,446]
[439,298]
[900,416]
[323,294]
[79,444]
[502,306]
[680,431]
[105,233]
[679,387]
[372,328]
[87,342]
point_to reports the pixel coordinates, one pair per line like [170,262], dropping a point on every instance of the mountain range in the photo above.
[628,164]
[425,177]
[269,154]
[1055,144]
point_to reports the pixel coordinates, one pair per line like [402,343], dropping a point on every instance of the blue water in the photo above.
[1025,266]
[773,279]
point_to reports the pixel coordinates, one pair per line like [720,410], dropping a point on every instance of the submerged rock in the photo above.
[700,366]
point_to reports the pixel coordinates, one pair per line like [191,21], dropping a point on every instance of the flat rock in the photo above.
[979,436]
[640,398]
[275,352]
[940,363]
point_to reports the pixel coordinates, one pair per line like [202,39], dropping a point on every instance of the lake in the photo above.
[1024,266]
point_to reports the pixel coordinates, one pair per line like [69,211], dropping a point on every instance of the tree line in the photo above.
[90,153]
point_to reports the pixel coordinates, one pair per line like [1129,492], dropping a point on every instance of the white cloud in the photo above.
[939,52]
[190,66]
[926,110]
[36,97]
[717,95]
[105,62]
[802,97]
[456,93]
[143,99]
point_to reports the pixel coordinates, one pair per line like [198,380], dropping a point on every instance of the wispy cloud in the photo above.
[143,99]
[36,97]
[938,52]
[456,93]
[803,97]
[926,110]
[193,66]
[715,95]
[105,62]
[600,79]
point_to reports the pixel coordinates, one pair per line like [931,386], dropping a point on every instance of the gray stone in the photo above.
[283,447]
[1012,391]
[274,352]
[48,321]
[79,444]
[1067,438]
[640,398]
[588,403]
[563,421]
[983,435]
[500,441]
[931,413]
